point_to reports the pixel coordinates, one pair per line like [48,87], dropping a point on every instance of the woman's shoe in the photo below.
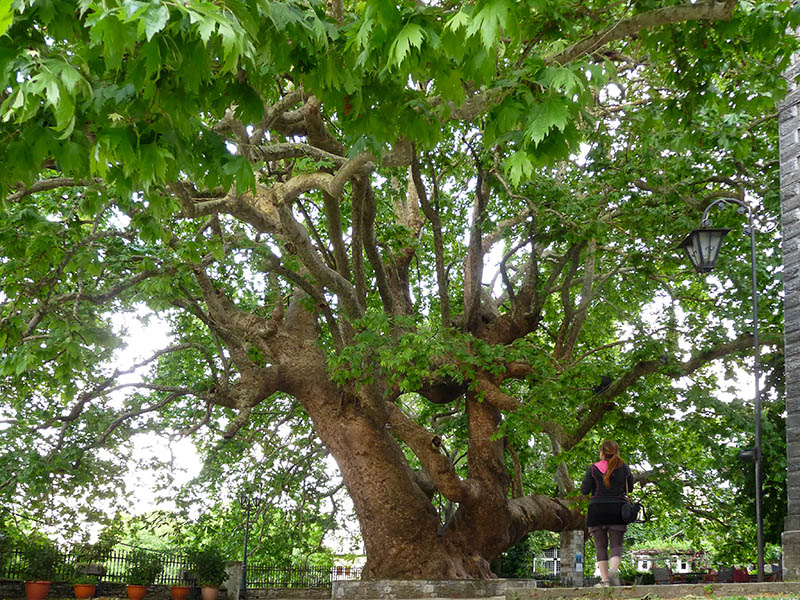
[602,584]
[614,580]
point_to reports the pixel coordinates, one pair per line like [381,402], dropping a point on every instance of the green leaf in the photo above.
[206,26]
[17,103]
[489,20]
[154,19]
[458,21]
[282,14]
[519,166]
[411,35]
[114,36]
[70,77]
[552,113]
[6,15]
[562,79]
[47,81]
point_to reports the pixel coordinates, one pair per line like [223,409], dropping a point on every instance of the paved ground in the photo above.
[654,592]
[714,591]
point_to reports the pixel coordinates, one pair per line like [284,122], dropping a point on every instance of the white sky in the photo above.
[142,340]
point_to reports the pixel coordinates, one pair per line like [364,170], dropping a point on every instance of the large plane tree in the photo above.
[417,232]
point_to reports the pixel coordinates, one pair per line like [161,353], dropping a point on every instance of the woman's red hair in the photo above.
[610,452]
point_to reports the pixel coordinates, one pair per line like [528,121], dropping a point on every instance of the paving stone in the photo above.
[713,590]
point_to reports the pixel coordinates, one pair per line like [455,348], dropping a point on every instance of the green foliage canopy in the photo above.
[421,229]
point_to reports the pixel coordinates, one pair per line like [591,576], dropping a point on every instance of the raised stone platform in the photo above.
[411,589]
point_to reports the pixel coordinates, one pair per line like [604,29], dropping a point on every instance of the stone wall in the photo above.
[350,590]
[789,129]
[288,594]
[13,590]
[439,588]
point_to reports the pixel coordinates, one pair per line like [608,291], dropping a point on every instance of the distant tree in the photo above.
[517,561]
[435,240]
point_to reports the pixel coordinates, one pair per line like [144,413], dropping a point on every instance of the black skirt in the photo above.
[605,513]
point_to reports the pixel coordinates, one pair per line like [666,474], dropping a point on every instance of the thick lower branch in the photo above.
[536,513]
[427,447]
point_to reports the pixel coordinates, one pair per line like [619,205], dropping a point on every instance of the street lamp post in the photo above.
[702,247]
[247,501]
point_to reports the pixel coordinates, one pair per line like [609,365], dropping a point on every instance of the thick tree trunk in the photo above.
[399,525]
[403,535]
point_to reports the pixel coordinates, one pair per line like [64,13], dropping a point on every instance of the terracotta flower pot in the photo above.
[136,592]
[179,592]
[209,592]
[84,590]
[37,590]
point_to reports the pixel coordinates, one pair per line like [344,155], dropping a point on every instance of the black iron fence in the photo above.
[117,563]
[265,576]
[115,566]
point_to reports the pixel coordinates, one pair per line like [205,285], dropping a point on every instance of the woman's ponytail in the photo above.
[610,452]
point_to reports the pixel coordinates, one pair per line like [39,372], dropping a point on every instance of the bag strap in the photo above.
[627,491]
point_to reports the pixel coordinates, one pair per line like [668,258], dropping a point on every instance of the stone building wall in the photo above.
[789,129]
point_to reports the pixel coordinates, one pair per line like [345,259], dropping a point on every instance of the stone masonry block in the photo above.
[790,261]
[787,112]
[793,417]
[791,271]
[791,310]
[791,358]
[790,331]
[788,140]
[791,198]
[790,540]
[790,226]
[787,130]
[790,178]
[792,383]
[792,337]
[793,97]
[790,213]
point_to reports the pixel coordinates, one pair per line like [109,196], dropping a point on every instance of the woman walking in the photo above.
[608,481]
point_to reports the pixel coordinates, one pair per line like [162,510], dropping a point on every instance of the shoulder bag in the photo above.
[631,510]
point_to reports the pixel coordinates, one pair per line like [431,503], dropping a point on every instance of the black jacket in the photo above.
[593,484]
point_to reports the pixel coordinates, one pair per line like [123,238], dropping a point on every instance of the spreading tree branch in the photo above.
[705,11]
[438,241]
[474,267]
